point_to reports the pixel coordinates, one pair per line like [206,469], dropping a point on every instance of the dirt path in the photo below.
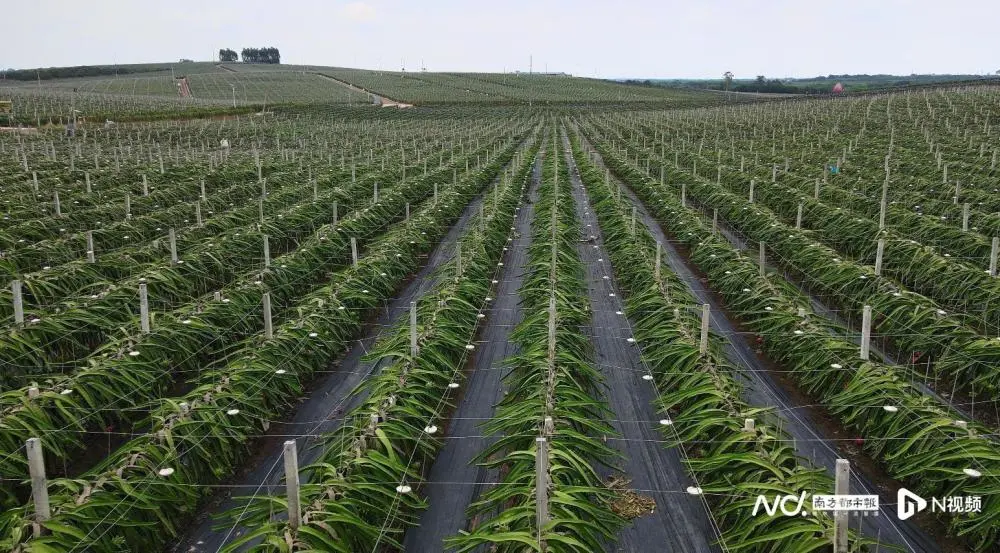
[455,481]
[386,101]
[680,522]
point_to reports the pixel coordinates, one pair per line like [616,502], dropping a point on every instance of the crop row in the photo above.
[910,212]
[77,327]
[53,240]
[44,287]
[180,184]
[916,439]
[953,275]
[74,329]
[131,256]
[912,323]
[49,244]
[185,342]
[201,436]
[957,281]
[551,420]
[363,489]
[702,394]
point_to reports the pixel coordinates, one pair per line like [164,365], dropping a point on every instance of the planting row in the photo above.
[75,329]
[188,341]
[701,393]
[138,495]
[918,441]
[363,488]
[911,322]
[551,421]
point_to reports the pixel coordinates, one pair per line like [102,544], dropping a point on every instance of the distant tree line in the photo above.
[227,55]
[774,86]
[761,84]
[260,55]
[817,85]
[77,71]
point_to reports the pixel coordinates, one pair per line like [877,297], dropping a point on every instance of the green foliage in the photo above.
[561,383]
[702,395]
[202,438]
[918,443]
[352,504]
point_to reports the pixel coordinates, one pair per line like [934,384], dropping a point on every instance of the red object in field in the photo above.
[859,442]
[183,88]
[915,357]
[838,88]
[760,339]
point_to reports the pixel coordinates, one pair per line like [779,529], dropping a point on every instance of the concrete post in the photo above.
[840,517]
[866,332]
[656,268]
[15,287]
[879,255]
[292,484]
[541,488]
[414,348]
[268,328]
[705,314]
[993,256]
[39,484]
[143,308]
[173,246]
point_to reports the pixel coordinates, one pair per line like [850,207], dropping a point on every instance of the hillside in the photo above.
[144,90]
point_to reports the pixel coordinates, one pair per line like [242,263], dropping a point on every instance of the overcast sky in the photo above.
[640,38]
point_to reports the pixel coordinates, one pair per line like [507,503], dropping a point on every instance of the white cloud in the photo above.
[359,11]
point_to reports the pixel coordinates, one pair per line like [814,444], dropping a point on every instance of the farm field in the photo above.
[532,312]
[243,87]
